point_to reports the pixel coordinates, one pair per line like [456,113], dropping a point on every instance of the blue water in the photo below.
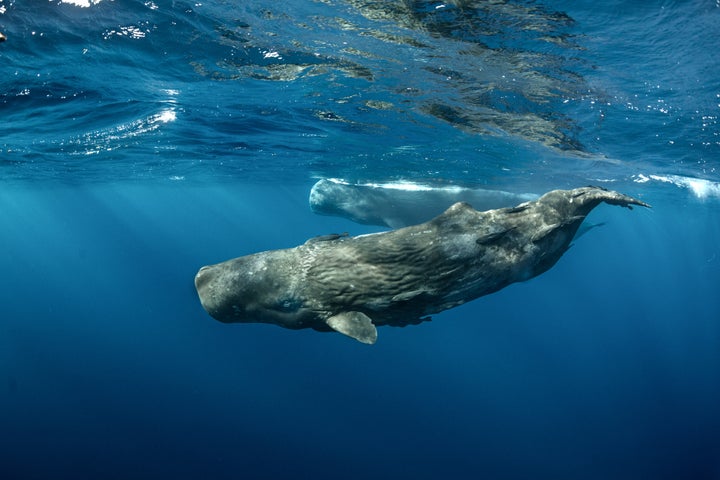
[142,140]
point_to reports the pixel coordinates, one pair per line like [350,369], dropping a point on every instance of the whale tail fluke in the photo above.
[596,195]
[581,201]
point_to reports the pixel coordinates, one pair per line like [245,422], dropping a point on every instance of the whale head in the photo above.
[256,288]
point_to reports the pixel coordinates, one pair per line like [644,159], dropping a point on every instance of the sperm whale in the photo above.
[352,285]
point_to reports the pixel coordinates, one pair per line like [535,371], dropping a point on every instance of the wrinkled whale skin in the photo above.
[400,277]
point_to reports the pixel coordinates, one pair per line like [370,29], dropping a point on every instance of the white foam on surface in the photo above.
[81,3]
[699,187]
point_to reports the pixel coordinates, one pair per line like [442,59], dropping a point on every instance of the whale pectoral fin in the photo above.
[356,325]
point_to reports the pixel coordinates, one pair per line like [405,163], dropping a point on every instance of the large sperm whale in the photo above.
[352,285]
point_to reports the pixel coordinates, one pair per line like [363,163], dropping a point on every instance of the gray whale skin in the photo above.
[353,284]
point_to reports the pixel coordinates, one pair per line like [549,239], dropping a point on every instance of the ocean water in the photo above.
[142,140]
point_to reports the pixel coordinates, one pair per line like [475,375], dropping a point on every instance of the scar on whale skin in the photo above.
[352,285]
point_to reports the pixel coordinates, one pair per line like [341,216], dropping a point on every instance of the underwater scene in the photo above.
[231,245]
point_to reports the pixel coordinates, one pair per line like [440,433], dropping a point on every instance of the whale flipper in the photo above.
[356,325]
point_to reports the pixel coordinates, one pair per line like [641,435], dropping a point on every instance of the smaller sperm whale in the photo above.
[397,205]
[352,285]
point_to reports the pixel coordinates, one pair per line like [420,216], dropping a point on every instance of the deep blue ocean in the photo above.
[141,140]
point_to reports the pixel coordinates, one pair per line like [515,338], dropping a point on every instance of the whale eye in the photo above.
[288,305]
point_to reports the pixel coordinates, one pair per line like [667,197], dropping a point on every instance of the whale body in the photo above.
[352,285]
[397,205]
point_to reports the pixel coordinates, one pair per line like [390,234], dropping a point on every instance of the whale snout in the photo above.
[202,276]
[203,280]
[203,285]
[211,285]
